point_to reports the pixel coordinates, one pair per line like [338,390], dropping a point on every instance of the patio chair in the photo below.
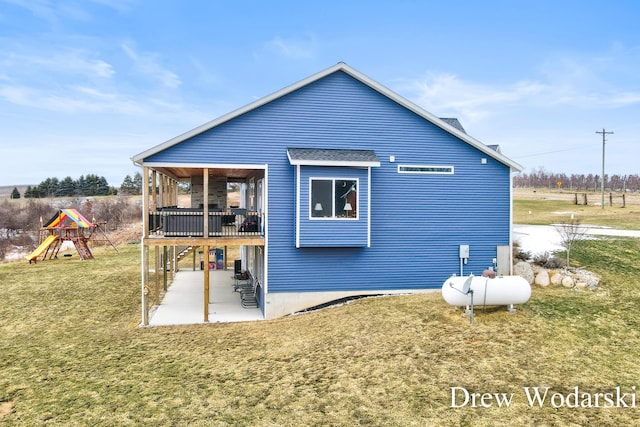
[248,297]
[245,286]
[240,277]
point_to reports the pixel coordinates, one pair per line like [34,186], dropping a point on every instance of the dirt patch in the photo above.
[5,408]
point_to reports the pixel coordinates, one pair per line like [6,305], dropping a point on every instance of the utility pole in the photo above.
[604,139]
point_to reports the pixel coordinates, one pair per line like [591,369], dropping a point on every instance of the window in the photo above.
[333,198]
[426,169]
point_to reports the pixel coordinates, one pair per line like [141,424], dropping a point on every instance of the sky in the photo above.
[87,84]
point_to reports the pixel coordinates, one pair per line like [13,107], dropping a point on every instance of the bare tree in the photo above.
[571,234]
[116,211]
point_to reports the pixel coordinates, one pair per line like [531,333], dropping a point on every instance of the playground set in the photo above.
[67,225]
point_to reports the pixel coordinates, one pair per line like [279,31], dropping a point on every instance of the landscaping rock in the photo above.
[556,279]
[523,269]
[590,279]
[542,278]
[568,282]
[568,277]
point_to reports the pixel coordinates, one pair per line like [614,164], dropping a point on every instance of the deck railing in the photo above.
[189,222]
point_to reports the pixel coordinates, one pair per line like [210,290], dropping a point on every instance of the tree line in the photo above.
[577,182]
[89,185]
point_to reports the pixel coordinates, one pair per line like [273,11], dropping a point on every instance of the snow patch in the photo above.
[537,239]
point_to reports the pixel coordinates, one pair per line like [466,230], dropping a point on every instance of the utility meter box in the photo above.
[464,251]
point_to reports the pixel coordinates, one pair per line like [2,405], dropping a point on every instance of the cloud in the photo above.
[52,12]
[149,65]
[293,48]
[68,100]
[562,81]
[119,5]
[80,81]
[74,62]
[448,94]
[40,8]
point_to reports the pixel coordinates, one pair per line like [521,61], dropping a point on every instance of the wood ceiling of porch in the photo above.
[183,173]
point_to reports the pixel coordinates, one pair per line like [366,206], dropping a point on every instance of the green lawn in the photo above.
[71,353]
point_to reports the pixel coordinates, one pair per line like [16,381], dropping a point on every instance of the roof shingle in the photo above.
[328,156]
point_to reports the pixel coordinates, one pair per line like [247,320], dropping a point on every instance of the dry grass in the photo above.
[552,207]
[71,354]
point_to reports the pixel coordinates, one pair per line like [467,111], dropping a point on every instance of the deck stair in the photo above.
[186,252]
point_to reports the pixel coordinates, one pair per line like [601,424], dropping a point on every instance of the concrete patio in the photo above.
[183,302]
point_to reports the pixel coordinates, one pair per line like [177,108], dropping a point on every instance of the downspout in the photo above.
[297,206]
[143,245]
[369,207]
[510,222]
[205,236]
[265,279]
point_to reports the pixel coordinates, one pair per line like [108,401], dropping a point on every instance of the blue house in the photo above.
[347,189]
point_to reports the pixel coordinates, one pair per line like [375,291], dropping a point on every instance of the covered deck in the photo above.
[209,219]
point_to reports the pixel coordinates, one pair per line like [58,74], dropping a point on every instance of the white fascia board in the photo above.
[203,165]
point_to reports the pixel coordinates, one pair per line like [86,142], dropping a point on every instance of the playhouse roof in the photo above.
[58,219]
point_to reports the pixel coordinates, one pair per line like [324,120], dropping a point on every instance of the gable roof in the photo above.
[343,67]
[452,121]
[332,157]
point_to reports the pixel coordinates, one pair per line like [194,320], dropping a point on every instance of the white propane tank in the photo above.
[503,290]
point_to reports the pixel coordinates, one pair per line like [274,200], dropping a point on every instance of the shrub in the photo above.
[548,260]
[523,255]
[554,262]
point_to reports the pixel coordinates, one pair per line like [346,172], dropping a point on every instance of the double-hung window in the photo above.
[333,198]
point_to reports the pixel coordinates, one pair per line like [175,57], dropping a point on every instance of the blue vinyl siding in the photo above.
[417,221]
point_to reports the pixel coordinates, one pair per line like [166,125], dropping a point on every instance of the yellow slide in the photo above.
[43,247]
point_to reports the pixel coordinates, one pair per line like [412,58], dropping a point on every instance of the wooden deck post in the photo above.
[158,186]
[154,198]
[165,264]
[144,248]
[145,288]
[174,262]
[206,282]
[205,203]
[156,274]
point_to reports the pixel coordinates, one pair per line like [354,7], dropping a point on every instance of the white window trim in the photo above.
[333,196]
[426,171]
